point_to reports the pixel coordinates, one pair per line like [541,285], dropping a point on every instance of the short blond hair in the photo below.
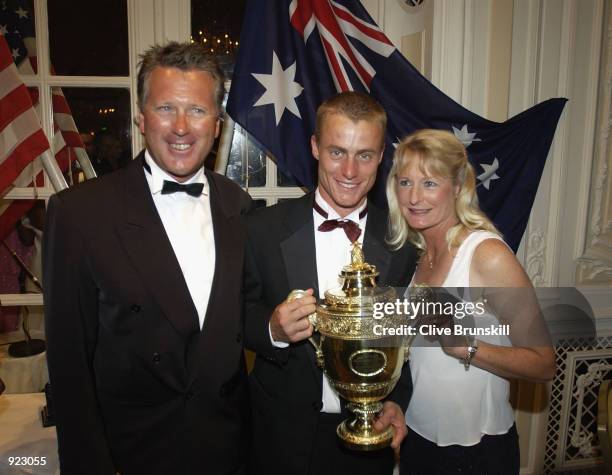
[355,106]
[185,57]
[439,153]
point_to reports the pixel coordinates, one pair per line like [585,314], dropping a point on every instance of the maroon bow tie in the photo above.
[351,228]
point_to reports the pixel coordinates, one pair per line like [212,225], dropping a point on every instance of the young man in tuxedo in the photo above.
[143,293]
[300,244]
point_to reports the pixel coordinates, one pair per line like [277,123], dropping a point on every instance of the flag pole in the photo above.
[85,163]
[30,346]
[58,182]
[23,266]
[225,144]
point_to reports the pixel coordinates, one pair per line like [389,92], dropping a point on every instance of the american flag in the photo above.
[21,137]
[17,27]
[296,53]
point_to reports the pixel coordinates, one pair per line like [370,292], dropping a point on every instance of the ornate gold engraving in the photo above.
[362,365]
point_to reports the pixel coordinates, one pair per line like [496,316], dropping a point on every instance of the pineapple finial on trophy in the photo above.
[357,257]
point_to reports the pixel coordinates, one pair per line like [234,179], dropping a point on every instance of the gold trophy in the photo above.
[361,362]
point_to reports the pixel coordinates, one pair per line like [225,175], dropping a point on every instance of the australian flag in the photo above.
[296,53]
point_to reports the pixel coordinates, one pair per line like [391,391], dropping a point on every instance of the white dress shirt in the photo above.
[333,253]
[188,224]
[333,249]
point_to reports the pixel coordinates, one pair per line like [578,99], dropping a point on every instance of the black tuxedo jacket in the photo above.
[138,388]
[285,384]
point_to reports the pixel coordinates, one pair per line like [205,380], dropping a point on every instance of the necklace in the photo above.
[429,261]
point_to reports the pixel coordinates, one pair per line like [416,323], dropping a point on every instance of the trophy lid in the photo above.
[358,291]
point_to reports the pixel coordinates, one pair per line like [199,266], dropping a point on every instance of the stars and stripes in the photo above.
[327,46]
[22,139]
[17,27]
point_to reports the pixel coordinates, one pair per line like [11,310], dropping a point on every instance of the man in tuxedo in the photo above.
[303,244]
[143,293]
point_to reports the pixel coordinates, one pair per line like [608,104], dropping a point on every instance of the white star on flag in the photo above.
[3,30]
[489,173]
[22,13]
[15,53]
[465,137]
[281,89]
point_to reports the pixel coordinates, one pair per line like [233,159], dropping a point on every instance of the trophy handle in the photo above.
[312,318]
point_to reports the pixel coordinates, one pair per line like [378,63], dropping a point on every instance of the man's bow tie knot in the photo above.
[351,228]
[192,189]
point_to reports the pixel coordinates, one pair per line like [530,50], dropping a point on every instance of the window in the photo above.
[96,44]
[75,60]
[79,71]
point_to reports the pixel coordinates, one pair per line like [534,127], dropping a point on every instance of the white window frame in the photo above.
[44,81]
[149,22]
[271,191]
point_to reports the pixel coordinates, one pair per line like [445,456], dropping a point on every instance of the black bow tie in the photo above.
[351,228]
[192,189]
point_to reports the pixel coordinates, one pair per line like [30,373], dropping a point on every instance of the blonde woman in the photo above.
[459,417]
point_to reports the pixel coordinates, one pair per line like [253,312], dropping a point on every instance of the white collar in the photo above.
[332,213]
[157,176]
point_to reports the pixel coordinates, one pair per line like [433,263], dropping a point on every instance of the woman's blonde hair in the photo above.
[439,153]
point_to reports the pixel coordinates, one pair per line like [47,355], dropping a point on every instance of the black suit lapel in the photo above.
[223,239]
[147,245]
[374,248]
[300,258]
[298,246]
[228,239]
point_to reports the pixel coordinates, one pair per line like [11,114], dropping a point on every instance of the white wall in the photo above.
[151,22]
[498,58]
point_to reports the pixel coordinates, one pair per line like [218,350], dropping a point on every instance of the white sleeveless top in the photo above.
[450,405]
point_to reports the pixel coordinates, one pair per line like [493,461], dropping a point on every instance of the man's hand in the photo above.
[289,321]
[392,415]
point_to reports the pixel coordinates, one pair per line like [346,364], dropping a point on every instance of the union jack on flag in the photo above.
[296,53]
[335,24]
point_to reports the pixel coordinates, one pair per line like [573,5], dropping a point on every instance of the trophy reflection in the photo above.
[361,362]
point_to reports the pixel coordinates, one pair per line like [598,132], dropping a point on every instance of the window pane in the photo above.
[247,162]
[216,24]
[102,117]
[88,38]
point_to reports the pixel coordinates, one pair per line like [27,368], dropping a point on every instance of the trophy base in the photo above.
[21,349]
[358,432]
